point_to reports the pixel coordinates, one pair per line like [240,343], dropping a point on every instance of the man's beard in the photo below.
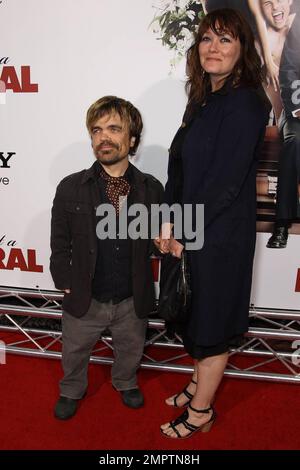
[103,157]
[108,162]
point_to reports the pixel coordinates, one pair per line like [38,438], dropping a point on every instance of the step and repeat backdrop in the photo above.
[58,57]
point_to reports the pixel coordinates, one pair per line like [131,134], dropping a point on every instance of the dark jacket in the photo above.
[74,242]
[213,161]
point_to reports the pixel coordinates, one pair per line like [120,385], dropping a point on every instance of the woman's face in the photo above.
[219,54]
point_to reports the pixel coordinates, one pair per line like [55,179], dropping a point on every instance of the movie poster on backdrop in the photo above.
[275,24]
[67,61]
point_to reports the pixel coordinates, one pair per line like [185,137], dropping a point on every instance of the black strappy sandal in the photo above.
[183,419]
[183,392]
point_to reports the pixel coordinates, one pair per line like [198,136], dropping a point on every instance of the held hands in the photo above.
[175,248]
[166,243]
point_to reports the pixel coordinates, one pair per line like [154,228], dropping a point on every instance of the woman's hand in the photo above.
[166,243]
[175,248]
[162,242]
[162,245]
[169,246]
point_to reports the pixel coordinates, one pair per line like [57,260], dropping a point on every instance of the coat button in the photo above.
[78,208]
[92,251]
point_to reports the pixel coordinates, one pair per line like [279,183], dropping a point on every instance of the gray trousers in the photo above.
[79,336]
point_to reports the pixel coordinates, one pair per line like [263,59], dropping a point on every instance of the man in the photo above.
[284,38]
[108,283]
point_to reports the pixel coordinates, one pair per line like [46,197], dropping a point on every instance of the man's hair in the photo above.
[248,70]
[128,113]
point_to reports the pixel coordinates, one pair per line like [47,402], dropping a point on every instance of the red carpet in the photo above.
[251,414]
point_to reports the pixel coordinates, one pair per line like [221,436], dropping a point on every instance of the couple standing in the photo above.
[108,283]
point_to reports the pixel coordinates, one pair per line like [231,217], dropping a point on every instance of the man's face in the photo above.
[276,12]
[110,139]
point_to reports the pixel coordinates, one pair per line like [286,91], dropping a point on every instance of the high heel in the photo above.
[183,419]
[206,426]
[185,392]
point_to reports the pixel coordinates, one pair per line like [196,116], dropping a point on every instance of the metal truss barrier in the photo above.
[271,350]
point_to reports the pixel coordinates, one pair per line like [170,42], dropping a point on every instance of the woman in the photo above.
[213,162]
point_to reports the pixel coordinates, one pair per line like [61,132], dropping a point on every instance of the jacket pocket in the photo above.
[80,216]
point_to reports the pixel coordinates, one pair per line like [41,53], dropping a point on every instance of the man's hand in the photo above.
[162,242]
[67,291]
[166,243]
[175,248]
[162,245]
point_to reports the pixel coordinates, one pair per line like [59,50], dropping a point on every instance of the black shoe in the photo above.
[279,238]
[132,398]
[65,408]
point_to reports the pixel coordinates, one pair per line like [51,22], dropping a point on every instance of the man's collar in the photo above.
[132,174]
[91,173]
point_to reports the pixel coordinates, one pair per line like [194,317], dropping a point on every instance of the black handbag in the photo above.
[175,291]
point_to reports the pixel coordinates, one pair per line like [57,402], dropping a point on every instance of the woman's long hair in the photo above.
[248,69]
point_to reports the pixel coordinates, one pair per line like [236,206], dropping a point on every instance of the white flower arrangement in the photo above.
[176,22]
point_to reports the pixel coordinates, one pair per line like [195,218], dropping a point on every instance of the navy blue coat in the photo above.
[213,162]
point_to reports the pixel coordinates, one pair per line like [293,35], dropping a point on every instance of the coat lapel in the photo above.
[138,197]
